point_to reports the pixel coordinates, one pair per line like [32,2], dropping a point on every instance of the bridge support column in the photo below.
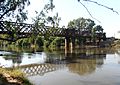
[67,43]
[72,43]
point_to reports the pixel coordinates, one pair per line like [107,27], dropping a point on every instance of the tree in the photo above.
[98,29]
[84,26]
[87,29]
[97,32]
[10,9]
[81,24]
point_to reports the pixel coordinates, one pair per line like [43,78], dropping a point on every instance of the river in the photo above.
[87,66]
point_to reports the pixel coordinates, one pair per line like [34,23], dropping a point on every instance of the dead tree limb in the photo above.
[97,4]
[102,5]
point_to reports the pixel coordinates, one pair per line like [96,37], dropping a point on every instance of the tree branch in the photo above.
[5,13]
[88,11]
[102,5]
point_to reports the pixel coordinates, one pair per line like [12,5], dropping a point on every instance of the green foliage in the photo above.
[56,42]
[10,9]
[22,42]
[81,24]
[98,29]
[43,17]
[87,26]
[39,41]
[48,41]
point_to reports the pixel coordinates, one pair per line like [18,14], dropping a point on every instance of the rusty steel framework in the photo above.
[12,31]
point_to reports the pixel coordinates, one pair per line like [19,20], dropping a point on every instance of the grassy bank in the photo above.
[12,77]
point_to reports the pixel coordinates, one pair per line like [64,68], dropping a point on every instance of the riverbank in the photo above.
[12,77]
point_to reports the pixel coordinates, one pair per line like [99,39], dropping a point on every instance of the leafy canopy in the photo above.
[13,10]
[81,23]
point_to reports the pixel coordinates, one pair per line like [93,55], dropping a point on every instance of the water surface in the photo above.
[93,66]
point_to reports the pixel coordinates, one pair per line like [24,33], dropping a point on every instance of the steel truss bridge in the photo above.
[13,31]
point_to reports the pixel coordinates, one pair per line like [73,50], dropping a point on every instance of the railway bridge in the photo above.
[15,31]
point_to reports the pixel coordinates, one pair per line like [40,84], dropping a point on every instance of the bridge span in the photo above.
[16,31]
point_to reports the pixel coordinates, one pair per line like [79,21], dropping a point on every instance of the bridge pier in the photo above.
[69,44]
[72,43]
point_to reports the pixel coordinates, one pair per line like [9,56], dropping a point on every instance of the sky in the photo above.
[72,9]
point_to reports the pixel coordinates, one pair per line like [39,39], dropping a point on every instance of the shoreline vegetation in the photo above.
[13,77]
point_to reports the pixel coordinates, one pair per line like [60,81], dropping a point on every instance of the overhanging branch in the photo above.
[88,11]
[7,11]
[97,4]
[102,5]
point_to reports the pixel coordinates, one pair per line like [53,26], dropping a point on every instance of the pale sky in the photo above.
[72,9]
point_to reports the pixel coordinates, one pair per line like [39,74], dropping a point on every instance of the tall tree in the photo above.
[87,27]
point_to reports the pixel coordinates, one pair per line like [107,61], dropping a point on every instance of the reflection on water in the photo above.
[38,57]
[85,63]
[18,59]
[84,67]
